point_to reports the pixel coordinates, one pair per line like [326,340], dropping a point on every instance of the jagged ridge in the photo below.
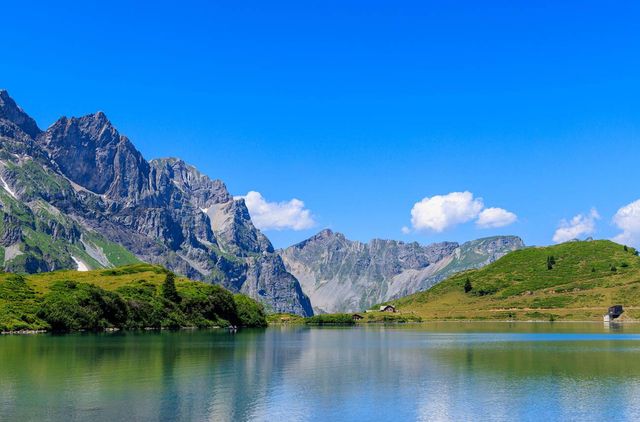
[341,275]
[77,192]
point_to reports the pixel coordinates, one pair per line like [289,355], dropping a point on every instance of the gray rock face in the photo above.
[340,275]
[94,184]
[10,112]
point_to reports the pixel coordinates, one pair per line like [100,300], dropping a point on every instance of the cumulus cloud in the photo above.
[495,217]
[405,230]
[283,215]
[579,225]
[440,212]
[627,219]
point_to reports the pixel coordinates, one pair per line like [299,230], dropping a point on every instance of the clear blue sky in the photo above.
[359,109]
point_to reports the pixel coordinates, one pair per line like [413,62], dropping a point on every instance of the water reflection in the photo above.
[432,372]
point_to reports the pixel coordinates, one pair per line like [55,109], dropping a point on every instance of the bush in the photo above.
[209,304]
[250,312]
[147,309]
[69,305]
[330,319]
[74,306]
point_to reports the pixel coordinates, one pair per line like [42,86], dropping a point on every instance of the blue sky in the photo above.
[361,109]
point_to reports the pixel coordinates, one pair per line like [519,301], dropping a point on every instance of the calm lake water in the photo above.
[443,371]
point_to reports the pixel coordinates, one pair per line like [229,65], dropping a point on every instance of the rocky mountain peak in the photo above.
[342,275]
[10,111]
[164,212]
[325,234]
[204,191]
[91,152]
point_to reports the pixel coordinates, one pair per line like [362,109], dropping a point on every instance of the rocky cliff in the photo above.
[341,275]
[80,195]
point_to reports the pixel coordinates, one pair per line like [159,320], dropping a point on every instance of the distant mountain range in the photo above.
[341,275]
[79,195]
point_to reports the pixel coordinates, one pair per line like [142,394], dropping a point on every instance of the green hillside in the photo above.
[571,281]
[128,297]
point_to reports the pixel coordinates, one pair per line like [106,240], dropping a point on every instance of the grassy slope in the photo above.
[20,301]
[36,218]
[580,286]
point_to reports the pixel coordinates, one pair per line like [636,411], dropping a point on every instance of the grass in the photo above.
[519,286]
[330,319]
[116,254]
[342,319]
[128,297]
[284,319]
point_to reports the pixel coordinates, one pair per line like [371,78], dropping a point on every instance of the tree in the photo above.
[551,261]
[169,290]
[467,285]
[625,248]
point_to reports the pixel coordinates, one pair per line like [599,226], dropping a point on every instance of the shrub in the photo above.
[330,319]
[70,305]
[250,313]
[74,306]
[207,304]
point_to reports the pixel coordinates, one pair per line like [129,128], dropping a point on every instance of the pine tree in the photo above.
[467,285]
[550,262]
[169,290]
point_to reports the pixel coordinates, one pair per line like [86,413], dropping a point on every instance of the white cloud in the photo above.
[627,219]
[405,230]
[579,225]
[495,217]
[278,215]
[440,212]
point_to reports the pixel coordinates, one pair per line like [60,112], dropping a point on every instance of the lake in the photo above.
[436,371]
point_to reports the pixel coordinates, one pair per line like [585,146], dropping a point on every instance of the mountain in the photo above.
[341,275]
[80,195]
[585,278]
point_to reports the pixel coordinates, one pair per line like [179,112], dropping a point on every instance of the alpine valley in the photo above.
[79,195]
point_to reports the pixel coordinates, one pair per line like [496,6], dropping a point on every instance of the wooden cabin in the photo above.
[387,308]
[614,312]
[357,317]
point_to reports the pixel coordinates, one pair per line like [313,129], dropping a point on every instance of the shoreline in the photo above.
[356,324]
[113,330]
